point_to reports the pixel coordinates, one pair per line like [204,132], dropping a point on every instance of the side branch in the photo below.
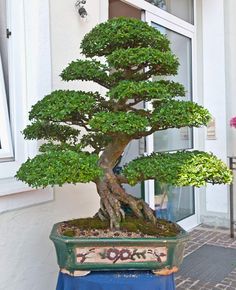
[122,179]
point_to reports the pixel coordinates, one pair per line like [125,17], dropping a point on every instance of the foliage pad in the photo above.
[183,168]
[59,167]
[122,33]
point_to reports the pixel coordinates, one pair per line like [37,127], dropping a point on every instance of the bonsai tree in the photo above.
[86,132]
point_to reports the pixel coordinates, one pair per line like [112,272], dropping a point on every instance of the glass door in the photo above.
[174,203]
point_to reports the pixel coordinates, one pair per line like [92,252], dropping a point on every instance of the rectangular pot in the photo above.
[98,254]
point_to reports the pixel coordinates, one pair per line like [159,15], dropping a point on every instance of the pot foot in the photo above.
[166,271]
[77,273]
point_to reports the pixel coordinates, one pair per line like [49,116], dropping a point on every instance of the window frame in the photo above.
[164,15]
[6,151]
[30,79]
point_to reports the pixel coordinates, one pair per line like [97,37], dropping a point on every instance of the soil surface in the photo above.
[129,228]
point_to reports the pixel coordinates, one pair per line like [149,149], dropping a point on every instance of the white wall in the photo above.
[28,260]
[214,99]
[230,59]
[67,30]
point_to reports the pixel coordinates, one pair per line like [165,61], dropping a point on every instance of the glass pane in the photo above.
[174,203]
[175,139]
[3,43]
[180,8]
[5,136]
[133,150]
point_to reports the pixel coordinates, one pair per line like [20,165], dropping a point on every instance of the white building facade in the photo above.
[37,41]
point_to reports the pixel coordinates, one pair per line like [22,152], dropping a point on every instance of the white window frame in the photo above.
[6,151]
[29,79]
[166,16]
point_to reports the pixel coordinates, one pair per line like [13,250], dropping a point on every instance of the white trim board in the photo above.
[150,8]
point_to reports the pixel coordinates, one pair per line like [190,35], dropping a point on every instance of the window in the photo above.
[27,72]
[176,139]
[6,152]
[180,8]
[181,203]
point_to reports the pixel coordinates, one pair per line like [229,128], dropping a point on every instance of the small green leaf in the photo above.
[182,168]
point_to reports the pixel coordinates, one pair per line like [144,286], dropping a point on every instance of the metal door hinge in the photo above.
[8,33]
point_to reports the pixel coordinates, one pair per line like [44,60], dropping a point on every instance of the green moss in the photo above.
[163,228]
[69,233]
[88,224]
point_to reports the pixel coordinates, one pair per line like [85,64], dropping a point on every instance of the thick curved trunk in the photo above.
[114,199]
[112,194]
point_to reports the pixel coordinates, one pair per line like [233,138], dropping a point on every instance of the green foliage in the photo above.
[50,131]
[87,70]
[59,167]
[96,140]
[194,168]
[177,114]
[134,52]
[64,106]
[119,122]
[161,63]
[146,90]
[52,147]
[122,33]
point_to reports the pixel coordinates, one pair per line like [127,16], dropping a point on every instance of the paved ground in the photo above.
[198,237]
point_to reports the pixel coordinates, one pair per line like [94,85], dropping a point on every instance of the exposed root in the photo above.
[113,197]
[138,206]
[101,215]
[122,212]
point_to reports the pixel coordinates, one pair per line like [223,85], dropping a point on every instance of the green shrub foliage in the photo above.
[122,33]
[180,169]
[59,167]
[80,126]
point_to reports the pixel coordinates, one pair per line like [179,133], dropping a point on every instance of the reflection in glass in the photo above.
[173,203]
[159,3]
[4,44]
[180,8]
[176,203]
[176,139]
[132,151]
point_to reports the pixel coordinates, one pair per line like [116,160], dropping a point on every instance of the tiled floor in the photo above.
[198,237]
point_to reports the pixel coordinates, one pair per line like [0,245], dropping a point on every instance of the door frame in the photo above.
[175,24]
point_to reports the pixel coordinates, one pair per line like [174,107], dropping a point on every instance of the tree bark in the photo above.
[113,197]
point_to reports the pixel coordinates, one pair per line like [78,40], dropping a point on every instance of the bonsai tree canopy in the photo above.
[134,52]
